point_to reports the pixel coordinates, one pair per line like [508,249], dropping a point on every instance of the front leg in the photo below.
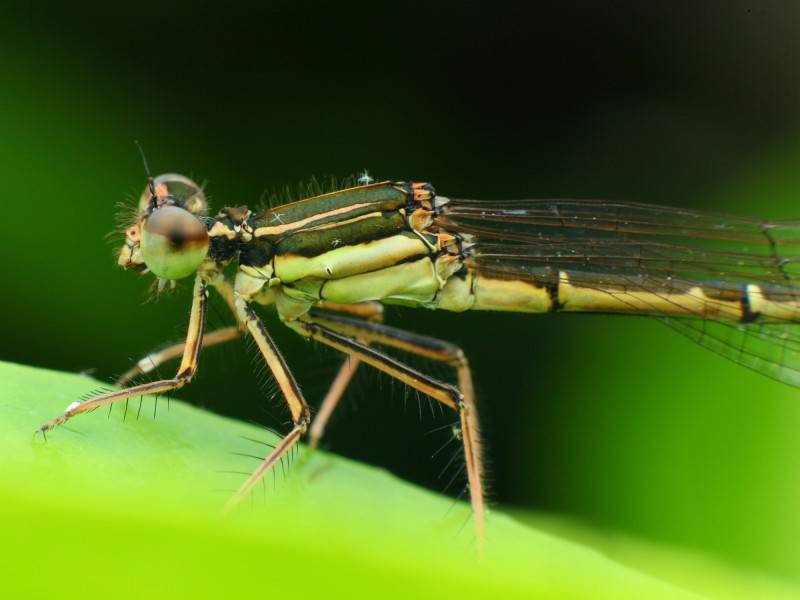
[155,359]
[186,370]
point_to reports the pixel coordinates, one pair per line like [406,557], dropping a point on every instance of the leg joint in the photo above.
[457,358]
[457,398]
[185,376]
[304,420]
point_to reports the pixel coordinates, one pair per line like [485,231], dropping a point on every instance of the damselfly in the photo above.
[329,262]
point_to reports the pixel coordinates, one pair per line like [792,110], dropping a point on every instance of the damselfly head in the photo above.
[169,238]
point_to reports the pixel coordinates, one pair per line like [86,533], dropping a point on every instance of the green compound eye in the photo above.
[174,242]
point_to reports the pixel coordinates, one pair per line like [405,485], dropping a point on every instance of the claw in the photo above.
[50,425]
[70,410]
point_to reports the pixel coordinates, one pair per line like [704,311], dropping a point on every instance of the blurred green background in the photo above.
[617,422]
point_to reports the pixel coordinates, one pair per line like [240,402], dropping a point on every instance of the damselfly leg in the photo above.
[155,359]
[331,400]
[438,350]
[301,415]
[372,312]
[186,370]
[337,332]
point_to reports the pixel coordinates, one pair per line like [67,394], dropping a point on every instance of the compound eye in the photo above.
[172,188]
[174,242]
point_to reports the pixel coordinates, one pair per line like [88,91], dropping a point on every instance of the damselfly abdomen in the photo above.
[328,263]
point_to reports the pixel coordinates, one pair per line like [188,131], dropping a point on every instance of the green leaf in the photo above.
[129,506]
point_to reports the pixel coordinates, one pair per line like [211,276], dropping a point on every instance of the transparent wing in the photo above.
[770,349]
[627,238]
[645,255]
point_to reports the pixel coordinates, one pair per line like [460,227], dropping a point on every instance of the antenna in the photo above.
[150,183]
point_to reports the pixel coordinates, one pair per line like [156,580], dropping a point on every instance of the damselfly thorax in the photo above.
[328,263]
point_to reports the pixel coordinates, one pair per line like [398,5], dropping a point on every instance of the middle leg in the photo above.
[301,415]
[155,359]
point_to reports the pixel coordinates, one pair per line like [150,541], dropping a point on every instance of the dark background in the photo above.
[617,422]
